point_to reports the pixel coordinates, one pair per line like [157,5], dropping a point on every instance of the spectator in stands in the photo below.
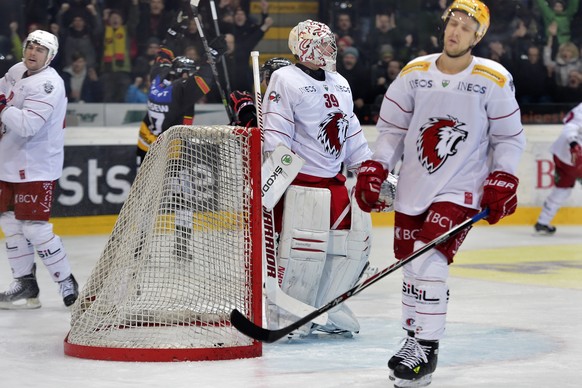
[384,33]
[350,67]
[86,9]
[344,27]
[499,54]
[7,59]
[192,37]
[560,14]
[137,92]
[16,42]
[247,35]
[81,81]
[154,21]
[381,84]
[572,92]
[116,62]
[566,59]
[82,37]
[143,63]
[532,68]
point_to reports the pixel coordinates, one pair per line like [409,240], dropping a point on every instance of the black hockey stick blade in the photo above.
[250,329]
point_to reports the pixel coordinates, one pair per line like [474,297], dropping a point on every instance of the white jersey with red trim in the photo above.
[451,130]
[572,132]
[32,147]
[315,119]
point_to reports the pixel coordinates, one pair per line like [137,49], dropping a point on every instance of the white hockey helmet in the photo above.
[44,39]
[313,42]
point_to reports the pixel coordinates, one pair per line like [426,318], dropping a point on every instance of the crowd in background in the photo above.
[108,46]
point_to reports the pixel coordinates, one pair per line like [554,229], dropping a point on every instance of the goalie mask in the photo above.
[44,39]
[270,66]
[181,66]
[475,9]
[313,42]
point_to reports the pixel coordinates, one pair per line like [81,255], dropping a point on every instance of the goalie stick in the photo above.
[248,328]
[271,271]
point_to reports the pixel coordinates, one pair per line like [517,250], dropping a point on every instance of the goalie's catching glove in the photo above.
[243,106]
[371,174]
[499,195]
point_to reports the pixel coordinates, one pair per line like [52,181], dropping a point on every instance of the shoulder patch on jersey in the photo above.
[48,87]
[491,74]
[416,66]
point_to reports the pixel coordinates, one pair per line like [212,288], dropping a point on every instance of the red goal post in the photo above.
[184,252]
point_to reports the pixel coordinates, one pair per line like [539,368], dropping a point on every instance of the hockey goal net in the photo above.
[184,252]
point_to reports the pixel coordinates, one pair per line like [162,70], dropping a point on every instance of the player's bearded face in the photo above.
[460,34]
[35,56]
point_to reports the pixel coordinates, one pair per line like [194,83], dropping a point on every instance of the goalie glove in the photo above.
[243,106]
[499,195]
[371,175]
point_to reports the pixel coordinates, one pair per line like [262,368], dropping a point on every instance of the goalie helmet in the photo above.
[181,65]
[271,65]
[44,39]
[475,9]
[313,42]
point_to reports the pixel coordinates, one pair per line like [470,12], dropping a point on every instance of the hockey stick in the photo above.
[217,30]
[248,328]
[272,289]
[193,12]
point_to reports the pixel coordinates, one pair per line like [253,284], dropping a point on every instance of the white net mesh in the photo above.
[181,254]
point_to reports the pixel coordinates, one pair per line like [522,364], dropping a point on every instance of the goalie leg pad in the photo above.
[348,253]
[49,248]
[301,251]
[303,241]
[19,250]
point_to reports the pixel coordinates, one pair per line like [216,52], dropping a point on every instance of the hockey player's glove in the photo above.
[217,47]
[575,150]
[165,56]
[499,195]
[371,174]
[244,107]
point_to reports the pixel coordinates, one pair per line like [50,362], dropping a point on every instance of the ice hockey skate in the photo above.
[417,368]
[407,348]
[544,229]
[69,290]
[22,293]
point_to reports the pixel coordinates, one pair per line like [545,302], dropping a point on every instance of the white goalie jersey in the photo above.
[315,119]
[452,131]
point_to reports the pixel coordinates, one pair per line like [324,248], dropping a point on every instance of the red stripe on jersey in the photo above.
[202,84]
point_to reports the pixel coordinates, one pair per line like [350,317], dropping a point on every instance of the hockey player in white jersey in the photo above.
[567,155]
[323,241]
[454,121]
[33,105]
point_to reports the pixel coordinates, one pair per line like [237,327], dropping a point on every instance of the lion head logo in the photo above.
[438,140]
[333,131]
